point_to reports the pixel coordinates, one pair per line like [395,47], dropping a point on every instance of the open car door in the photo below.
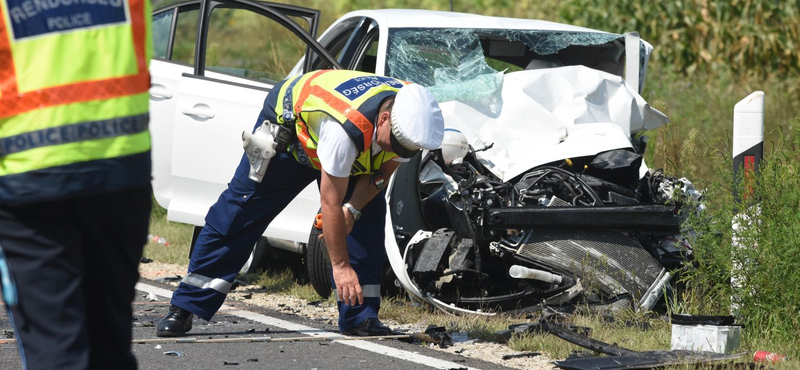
[243,48]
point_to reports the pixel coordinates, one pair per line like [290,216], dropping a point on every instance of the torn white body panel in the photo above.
[553,114]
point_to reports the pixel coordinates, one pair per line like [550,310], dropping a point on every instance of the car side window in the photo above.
[162,25]
[185,36]
[180,47]
[246,44]
[369,55]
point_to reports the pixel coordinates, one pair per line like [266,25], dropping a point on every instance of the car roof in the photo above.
[413,18]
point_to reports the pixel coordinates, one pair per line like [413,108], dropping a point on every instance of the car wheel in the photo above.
[405,202]
[259,258]
[318,267]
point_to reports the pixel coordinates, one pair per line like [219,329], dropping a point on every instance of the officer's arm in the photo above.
[365,190]
[332,190]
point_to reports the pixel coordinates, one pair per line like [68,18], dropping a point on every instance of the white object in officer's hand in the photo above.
[259,147]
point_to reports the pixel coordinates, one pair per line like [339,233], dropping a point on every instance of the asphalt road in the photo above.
[240,320]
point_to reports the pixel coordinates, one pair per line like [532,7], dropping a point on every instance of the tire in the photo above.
[318,268]
[405,203]
[259,258]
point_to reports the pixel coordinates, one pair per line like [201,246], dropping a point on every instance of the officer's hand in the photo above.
[349,221]
[347,286]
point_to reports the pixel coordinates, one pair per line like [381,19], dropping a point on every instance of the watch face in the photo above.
[353,211]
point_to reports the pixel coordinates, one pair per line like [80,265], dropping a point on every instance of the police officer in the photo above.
[350,126]
[75,191]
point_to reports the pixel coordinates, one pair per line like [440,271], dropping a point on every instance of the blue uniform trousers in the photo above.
[75,263]
[242,213]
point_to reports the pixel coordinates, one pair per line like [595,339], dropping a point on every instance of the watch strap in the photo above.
[356,213]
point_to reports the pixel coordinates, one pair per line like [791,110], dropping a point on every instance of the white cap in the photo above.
[417,121]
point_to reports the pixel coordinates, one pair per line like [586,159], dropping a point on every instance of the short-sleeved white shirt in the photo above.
[336,150]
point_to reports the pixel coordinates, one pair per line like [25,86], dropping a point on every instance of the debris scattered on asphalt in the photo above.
[144,324]
[174,353]
[642,360]
[252,360]
[152,297]
[230,363]
[562,331]
[8,334]
[237,283]
[461,338]
[623,358]
[169,279]
[158,346]
[251,330]
[146,260]
[504,336]
[520,355]
[436,335]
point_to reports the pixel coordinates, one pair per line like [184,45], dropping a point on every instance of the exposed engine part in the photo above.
[651,296]
[547,182]
[551,236]
[522,272]
[663,189]
[652,217]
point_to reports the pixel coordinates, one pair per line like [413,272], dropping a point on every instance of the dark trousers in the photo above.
[75,264]
[242,213]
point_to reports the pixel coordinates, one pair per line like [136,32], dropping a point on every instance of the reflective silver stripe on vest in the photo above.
[369,291]
[83,131]
[204,282]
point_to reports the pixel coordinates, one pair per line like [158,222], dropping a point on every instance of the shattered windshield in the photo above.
[467,64]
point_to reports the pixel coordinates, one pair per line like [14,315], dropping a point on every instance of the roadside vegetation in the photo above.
[709,54]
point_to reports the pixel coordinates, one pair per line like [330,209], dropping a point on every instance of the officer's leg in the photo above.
[365,245]
[114,227]
[43,248]
[233,226]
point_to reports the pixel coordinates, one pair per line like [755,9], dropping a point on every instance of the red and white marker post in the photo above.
[748,150]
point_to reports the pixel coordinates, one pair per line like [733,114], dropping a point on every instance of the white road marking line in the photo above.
[314,332]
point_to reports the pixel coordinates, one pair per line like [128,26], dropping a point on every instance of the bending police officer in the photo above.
[349,126]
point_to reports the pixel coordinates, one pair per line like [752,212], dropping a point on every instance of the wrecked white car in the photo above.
[539,193]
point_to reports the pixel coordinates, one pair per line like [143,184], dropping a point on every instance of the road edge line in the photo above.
[315,332]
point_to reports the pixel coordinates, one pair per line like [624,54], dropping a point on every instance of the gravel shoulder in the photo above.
[326,313]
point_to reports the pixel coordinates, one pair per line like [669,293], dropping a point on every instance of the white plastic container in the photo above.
[709,338]
[454,145]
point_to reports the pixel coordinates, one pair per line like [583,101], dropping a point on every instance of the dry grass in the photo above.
[176,234]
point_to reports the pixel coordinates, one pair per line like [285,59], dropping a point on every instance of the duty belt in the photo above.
[285,135]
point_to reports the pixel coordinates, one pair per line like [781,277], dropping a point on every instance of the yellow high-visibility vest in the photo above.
[352,98]
[73,97]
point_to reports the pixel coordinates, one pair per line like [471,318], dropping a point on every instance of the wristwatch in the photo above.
[356,213]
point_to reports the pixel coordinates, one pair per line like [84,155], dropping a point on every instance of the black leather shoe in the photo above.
[177,322]
[369,328]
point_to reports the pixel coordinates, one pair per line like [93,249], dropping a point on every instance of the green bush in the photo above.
[761,270]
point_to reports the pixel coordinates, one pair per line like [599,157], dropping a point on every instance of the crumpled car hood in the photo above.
[540,116]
